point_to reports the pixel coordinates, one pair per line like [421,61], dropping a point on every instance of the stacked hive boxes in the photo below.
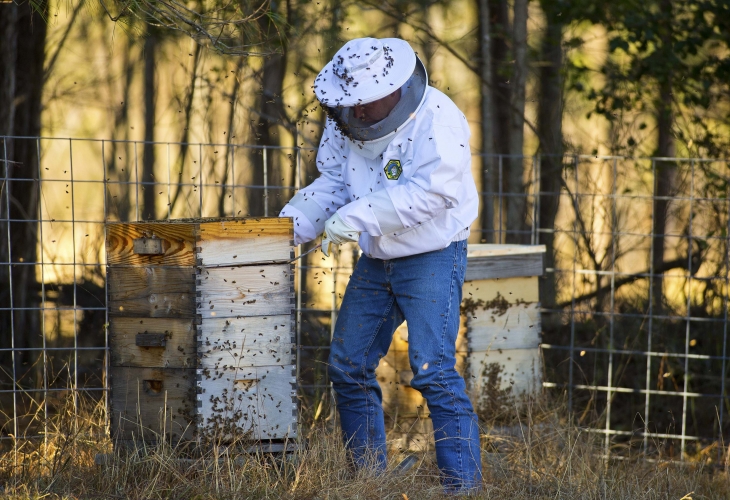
[502,310]
[200,323]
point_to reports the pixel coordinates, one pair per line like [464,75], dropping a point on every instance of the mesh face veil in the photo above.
[412,93]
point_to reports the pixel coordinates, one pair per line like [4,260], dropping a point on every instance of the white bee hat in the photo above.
[365,70]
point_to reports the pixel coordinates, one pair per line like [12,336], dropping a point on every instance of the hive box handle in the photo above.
[153,386]
[148,246]
[150,340]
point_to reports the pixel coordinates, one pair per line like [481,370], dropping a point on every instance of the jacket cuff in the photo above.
[311,210]
[374,214]
[384,210]
[304,231]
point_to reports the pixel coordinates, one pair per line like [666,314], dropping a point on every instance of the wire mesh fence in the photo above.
[634,298]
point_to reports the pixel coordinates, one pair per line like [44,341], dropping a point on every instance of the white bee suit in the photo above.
[395,174]
[417,196]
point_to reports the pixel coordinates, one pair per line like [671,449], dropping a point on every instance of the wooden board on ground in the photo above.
[411,434]
[229,292]
[155,292]
[253,402]
[179,349]
[148,403]
[403,401]
[394,373]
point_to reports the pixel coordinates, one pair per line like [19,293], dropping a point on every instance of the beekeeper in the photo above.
[396,177]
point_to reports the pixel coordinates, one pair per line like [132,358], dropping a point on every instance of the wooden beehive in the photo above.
[502,310]
[200,325]
[500,328]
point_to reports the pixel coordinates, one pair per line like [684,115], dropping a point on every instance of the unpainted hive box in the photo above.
[200,325]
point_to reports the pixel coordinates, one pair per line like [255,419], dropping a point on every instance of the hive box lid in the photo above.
[487,261]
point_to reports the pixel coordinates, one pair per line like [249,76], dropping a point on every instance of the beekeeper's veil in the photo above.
[365,70]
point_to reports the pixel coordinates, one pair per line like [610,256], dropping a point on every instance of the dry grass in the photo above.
[543,458]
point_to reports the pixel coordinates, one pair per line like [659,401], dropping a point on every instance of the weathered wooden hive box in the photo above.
[498,342]
[200,329]
[502,309]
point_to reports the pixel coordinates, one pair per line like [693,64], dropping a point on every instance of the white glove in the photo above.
[337,232]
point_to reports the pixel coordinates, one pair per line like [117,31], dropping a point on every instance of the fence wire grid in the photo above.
[634,297]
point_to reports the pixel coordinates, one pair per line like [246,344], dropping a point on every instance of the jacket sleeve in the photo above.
[441,158]
[317,202]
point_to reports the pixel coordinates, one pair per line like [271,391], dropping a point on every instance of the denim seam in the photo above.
[363,368]
[447,317]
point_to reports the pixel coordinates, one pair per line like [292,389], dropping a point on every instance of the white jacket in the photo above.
[431,202]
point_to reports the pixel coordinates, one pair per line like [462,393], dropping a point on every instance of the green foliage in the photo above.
[683,44]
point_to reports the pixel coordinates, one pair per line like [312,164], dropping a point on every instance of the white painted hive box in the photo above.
[502,309]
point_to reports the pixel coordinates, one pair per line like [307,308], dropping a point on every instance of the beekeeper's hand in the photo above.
[337,232]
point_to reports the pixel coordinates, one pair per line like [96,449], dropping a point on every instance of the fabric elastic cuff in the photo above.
[462,235]
[310,209]
[304,231]
[385,212]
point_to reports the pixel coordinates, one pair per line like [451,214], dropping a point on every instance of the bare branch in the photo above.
[60,44]
[666,266]
[224,28]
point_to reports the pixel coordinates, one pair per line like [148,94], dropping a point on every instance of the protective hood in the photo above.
[370,140]
[364,70]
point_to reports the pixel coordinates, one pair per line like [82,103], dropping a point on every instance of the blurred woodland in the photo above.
[540,79]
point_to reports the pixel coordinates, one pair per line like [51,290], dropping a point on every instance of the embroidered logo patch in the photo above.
[393,170]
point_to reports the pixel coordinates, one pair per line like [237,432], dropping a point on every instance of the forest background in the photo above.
[549,77]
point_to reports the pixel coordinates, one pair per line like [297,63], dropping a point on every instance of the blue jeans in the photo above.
[425,290]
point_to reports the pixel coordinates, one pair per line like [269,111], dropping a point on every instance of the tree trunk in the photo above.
[149,210]
[517,197]
[233,100]
[23,194]
[666,171]
[8,54]
[489,173]
[501,74]
[185,133]
[118,198]
[549,124]
[266,132]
